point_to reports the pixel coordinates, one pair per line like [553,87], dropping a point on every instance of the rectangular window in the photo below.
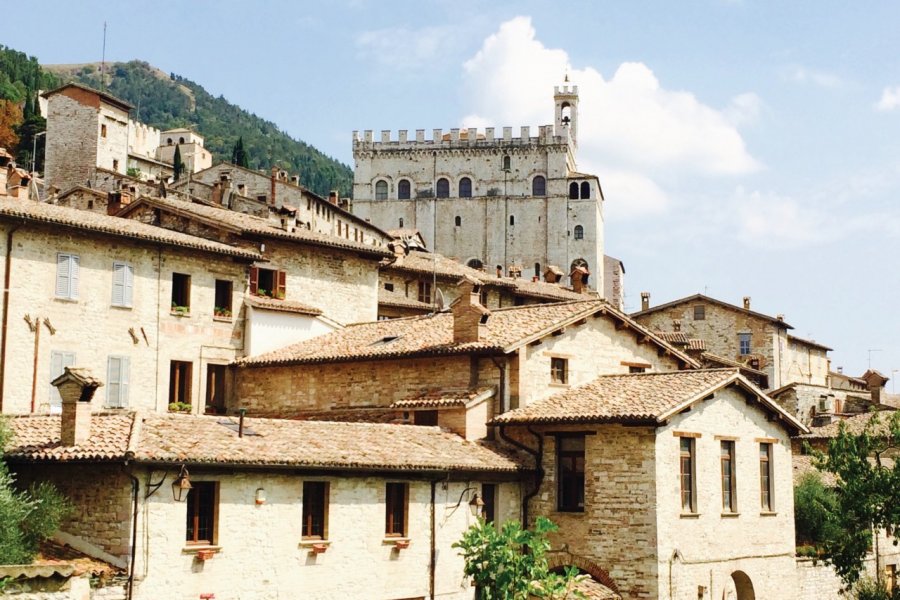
[389,287]
[699,312]
[688,503]
[122,284]
[765,476]
[559,370]
[425,417]
[395,505]
[215,389]
[67,276]
[59,360]
[222,307]
[729,503]
[268,282]
[425,292]
[181,292]
[315,510]
[180,381]
[489,497]
[744,341]
[202,504]
[102,130]
[117,368]
[483,296]
[634,369]
[570,469]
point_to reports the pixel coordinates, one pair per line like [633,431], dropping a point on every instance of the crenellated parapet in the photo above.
[460,138]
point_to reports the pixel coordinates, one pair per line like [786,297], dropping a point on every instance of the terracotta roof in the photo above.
[714,360]
[591,589]
[696,344]
[681,338]
[213,440]
[55,554]
[402,233]
[701,297]
[813,343]
[430,335]
[444,398]
[377,414]
[281,305]
[74,218]
[853,425]
[108,97]
[540,289]
[635,398]
[426,263]
[252,225]
[83,189]
[81,375]
[803,465]
[388,298]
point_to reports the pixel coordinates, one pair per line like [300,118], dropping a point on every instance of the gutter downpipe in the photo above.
[7,276]
[433,556]
[135,487]
[539,469]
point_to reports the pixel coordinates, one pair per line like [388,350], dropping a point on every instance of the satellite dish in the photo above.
[439,300]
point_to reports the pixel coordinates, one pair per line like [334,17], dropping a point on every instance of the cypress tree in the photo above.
[177,163]
[238,154]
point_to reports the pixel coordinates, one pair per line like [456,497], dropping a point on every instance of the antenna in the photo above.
[103,61]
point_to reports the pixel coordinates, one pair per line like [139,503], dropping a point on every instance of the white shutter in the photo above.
[113,375]
[118,284]
[58,362]
[124,364]
[73,278]
[63,275]
[129,284]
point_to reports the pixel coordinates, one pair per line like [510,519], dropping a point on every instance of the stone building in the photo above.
[737,333]
[488,199]
[190,145]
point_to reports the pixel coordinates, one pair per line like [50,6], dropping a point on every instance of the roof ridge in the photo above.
[546,304]
[678,372]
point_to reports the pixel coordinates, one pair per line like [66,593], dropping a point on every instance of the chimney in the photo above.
[676,325]
[216,197]
[746,302]
[499,271]
[333,197]
[76,387]
[645,300]
[469,316]
[272,180]
[579,278]
[295,179]
[780,317]
[841,370]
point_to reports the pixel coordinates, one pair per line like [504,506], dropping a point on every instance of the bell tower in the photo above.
[566,100]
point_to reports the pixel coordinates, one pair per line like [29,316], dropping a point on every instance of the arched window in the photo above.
[401,223]
[403,189]
[443,188]
[465,188]
[169,140]
[458,221]
[181,140]
[537,270]
[539,186]
[573,190]
[585,190]
[474,263]
[579,232]
[507,163]
[381,189]
[512,219]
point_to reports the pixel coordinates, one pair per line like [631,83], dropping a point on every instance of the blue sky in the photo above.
[745,148]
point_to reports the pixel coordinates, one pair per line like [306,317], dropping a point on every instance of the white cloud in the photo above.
[635,195]
[800,74]
[890,99]
[401,48]
[744,109]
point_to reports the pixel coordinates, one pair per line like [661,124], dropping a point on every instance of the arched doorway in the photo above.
[739,587]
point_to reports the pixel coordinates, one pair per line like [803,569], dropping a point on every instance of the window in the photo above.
[180,381]
[381,189]
[483,296]
[181,292]
[765,476]
[507,163]
[570,469]
[222,306]
[636,369]
[585,190]
[59,360]
[395,505]
[202,502]
[458,221]
[489,497]
[744,342]
[537,270]
[315,510]
[688,503]
[117,368]
[559,370]
[700,312]
[573,191]
[103,130]
[465,188]
[215,389]
[401,222]
[512,220]
[115,165]
[443,188]
[428,418]
[67,276]
[425,292]
[122,284]
[579,232]
[539,186]
[729,502]
[268,282]
[890,577]
[403,189]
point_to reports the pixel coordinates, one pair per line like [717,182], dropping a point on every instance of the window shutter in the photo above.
[73,279]
[254,280]
[113,389]
[118,284]
[129,284]
[63,275]
[56,367]
[124,366]
[282,284]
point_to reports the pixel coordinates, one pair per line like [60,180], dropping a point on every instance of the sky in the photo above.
[744,148]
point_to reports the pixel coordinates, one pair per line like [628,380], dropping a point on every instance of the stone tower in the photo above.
[566,100]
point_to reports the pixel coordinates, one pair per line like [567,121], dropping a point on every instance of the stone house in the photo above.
[737,333]
[488,199]
[190,145]
[677,485]
[130,300]
[197,506]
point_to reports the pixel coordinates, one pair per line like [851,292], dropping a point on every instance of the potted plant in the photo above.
[180,310]
[224,313]
[182,407]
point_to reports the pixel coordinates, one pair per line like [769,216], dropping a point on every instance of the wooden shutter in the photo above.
[73,276]
[282,284]
[124,376]
[118,284]
[254,280]
[129,284]
[113,377]
[63,275]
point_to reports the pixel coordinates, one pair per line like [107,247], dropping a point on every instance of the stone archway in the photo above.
[557,561]
[739,587]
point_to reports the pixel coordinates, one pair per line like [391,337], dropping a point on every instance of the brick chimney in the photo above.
[272,180]
[76,387]
[553,274]
[469,316]
[333,197]
[579,278]
[746,302]
[645,300]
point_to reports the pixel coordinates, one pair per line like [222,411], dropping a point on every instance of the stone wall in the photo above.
[64,588]
[72,133]
[805,364]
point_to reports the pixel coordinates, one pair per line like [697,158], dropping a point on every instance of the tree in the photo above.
[866,491]
[10,117]
[27,517]
[511,564]
[239,155]
[177,163]
[814,508]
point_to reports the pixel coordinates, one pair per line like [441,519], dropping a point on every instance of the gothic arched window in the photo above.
[573,190]
[458,221]
[465,188]
[403,189]
[443,188]
[585,190]
[539,186]
[381,189]
[507,163]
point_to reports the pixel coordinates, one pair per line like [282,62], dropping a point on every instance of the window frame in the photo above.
[182,282]
[193,513]
[181,380]
[315,505]
[221,294]
[404,189]
[396,497]
[570,477]
[424,291]
[67,282]
[382,189]
[465,187]
[126,284]
[215,382]
[279,281]
[745,343]
[539,186]
[578,232]
[728,476]
[489,497]
[439,184]
[559,370]
[119,382]
[687,470]
[766,489]
[699,312]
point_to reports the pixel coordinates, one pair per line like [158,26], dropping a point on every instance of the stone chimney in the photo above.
[499,271]
[645,300]
[333,197]
[295,180]
[469,316]
[676,325]
[746,302]
[553,274]
[579,278]
[272,180]
[217,192]
[76,387]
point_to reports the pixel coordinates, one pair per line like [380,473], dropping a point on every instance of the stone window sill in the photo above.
[67,300]
[557,384]
[396,541]
[690,515]
[179,314]
[120,306]
[222,319]
[730,515]
[307,543]
[194,549]
[768,513]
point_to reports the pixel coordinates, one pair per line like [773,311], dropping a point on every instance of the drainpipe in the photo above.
[539,469]
[135,487]
[7,274]
[433,557]
[34,365]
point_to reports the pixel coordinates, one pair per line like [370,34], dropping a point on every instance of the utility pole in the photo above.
[34,152]
[103,61]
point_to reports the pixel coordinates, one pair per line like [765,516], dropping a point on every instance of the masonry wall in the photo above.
[805,364]
[72,133]
[707,547]
[260,553]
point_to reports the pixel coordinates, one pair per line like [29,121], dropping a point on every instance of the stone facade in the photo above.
[486,198]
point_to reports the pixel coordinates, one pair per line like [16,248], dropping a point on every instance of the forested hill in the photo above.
[166,101]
